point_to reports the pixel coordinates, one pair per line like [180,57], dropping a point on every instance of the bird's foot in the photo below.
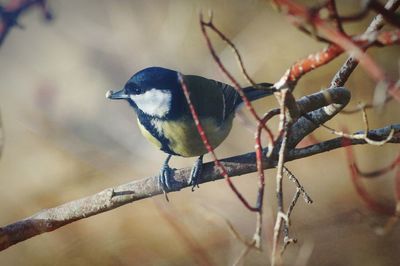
[166,174]
[196,172]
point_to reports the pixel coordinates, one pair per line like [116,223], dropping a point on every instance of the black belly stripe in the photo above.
[145,120]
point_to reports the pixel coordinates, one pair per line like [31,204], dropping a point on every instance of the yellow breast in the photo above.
[148,135]
[184,139]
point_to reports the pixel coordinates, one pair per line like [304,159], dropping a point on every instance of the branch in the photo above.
[382,10]
[351,63]
[340,42]
[50,219]
[335,143]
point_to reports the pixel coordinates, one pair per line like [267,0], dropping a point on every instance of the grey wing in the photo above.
[215,99]
[212,98]
[231,99]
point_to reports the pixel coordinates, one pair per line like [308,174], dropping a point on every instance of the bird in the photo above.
[164,117]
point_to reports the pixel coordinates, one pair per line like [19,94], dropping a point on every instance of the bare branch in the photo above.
[351,63]
[110,198]
[50,219]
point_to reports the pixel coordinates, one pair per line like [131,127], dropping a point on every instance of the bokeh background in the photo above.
[64,140]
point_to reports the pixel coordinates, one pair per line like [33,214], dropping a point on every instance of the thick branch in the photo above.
[351,63]
[320,107]
[50,219]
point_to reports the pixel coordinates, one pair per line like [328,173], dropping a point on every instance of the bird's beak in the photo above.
[117,95]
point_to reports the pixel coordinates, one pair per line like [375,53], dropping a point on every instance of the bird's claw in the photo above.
[196,172]
[166,174]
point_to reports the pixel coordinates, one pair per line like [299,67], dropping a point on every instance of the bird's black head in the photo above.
[151,91]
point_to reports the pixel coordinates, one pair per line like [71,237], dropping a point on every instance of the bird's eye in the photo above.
[133,90]
[137,90]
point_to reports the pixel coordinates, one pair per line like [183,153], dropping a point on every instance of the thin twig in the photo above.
[286,238]
[365,106]
[281,216]
[340,41]
[362,136]
[334,16]
[231,78]
[293,178]
[378,172]
[351,63]
[367,199]
[209,148]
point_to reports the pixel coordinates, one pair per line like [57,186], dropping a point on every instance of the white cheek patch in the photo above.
[153,102]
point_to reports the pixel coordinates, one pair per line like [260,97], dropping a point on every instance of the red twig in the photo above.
[367,199]
[261,122]
[210,149]
[332,32]
[235,83]
[305,65]
[320,58]
[379,172]
[389,37]
[334,16]
[353,48]
[300,14]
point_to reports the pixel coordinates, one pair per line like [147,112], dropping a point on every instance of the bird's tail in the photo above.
[262,90]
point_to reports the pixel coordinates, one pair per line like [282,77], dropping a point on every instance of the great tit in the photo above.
[164,117]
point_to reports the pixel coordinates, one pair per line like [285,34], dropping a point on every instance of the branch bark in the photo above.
[49,220]
[351,63]
[320,106]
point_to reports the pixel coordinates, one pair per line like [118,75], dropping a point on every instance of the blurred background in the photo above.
[64,140]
